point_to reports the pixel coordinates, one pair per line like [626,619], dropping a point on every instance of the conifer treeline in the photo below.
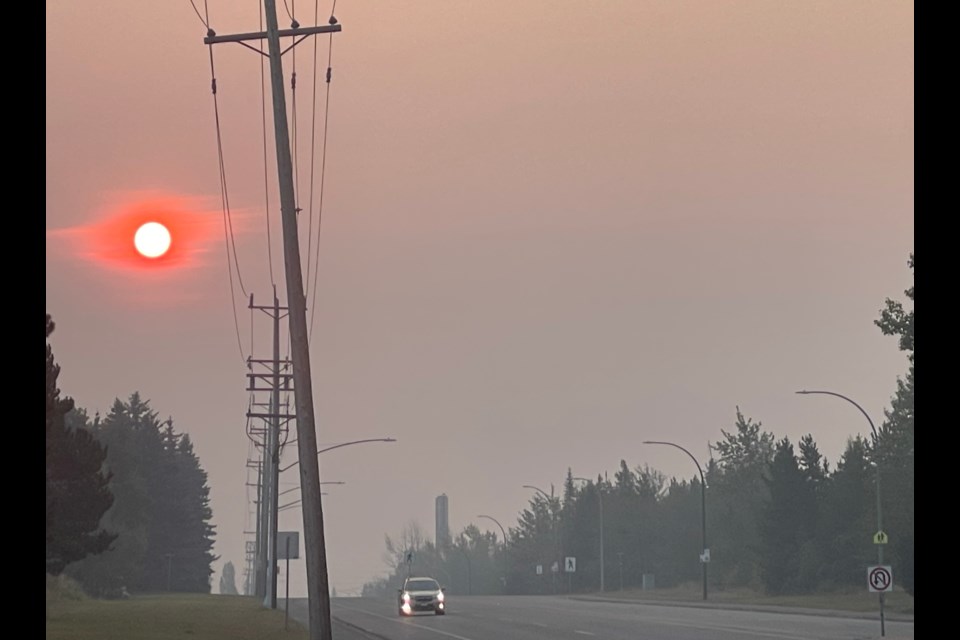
[161,510]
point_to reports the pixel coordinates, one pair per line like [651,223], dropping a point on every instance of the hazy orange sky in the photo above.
[551,230]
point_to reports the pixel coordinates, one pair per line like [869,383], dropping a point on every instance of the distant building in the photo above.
[443,522]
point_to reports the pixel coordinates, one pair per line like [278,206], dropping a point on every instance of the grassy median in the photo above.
[165,617]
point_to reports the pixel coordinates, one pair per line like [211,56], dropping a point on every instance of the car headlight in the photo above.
[406,597]
[440,596]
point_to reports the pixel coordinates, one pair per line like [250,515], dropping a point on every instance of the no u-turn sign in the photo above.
[880,579]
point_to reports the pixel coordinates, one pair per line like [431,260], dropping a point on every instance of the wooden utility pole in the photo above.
[318,587]
[274,419]
[262,503]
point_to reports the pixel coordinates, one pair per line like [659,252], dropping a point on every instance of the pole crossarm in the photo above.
[283,416]
[262,35]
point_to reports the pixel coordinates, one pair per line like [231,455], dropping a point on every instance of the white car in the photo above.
[421,594]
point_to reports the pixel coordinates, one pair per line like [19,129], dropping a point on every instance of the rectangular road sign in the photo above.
[294,549]
[539,569]
[570,564]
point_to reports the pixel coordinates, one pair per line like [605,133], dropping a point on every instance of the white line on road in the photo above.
[584,633]
[408,621]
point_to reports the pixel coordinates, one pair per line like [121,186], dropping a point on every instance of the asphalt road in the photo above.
[559,618]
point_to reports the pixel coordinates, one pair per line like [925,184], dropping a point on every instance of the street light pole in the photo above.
[704,557]
[466,555]
[556,533]
[503,578]
[876,439]
[600,498]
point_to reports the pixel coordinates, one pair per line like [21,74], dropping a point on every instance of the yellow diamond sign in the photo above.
[880,538]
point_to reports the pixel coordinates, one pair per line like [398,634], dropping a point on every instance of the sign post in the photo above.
[286,595]
[570,567]
[290,544]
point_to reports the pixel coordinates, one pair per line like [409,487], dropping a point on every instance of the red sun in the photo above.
[152,240]
[155,231]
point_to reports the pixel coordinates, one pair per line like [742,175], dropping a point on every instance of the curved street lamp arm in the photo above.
[498,524]
[702,479]
[291,505]
[298,487]
[838,395]
[337,446]
[538,490]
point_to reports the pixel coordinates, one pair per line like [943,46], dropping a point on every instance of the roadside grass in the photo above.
[857,600]
[167,617]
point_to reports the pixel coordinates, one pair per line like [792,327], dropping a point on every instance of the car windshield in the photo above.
[422,585]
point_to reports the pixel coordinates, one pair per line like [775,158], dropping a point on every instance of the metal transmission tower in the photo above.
[274,375]
[318,587]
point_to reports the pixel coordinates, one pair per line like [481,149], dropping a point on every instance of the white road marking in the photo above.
[584,633]
[409,621]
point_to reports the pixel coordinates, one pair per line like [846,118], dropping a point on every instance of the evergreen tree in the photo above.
[678,541]
[787,526]
[228,580]
[846,514]
[161,508]
[894,451]
[532,543]
[180,540]
[623,526]
[77,491]
[131,435]
[738,495]
[816,472]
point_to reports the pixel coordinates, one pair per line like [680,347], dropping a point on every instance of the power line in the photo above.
[224,195]
[323,167]
[198,15]
[313,146]
[295,136]
[226,224]
[263,118]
